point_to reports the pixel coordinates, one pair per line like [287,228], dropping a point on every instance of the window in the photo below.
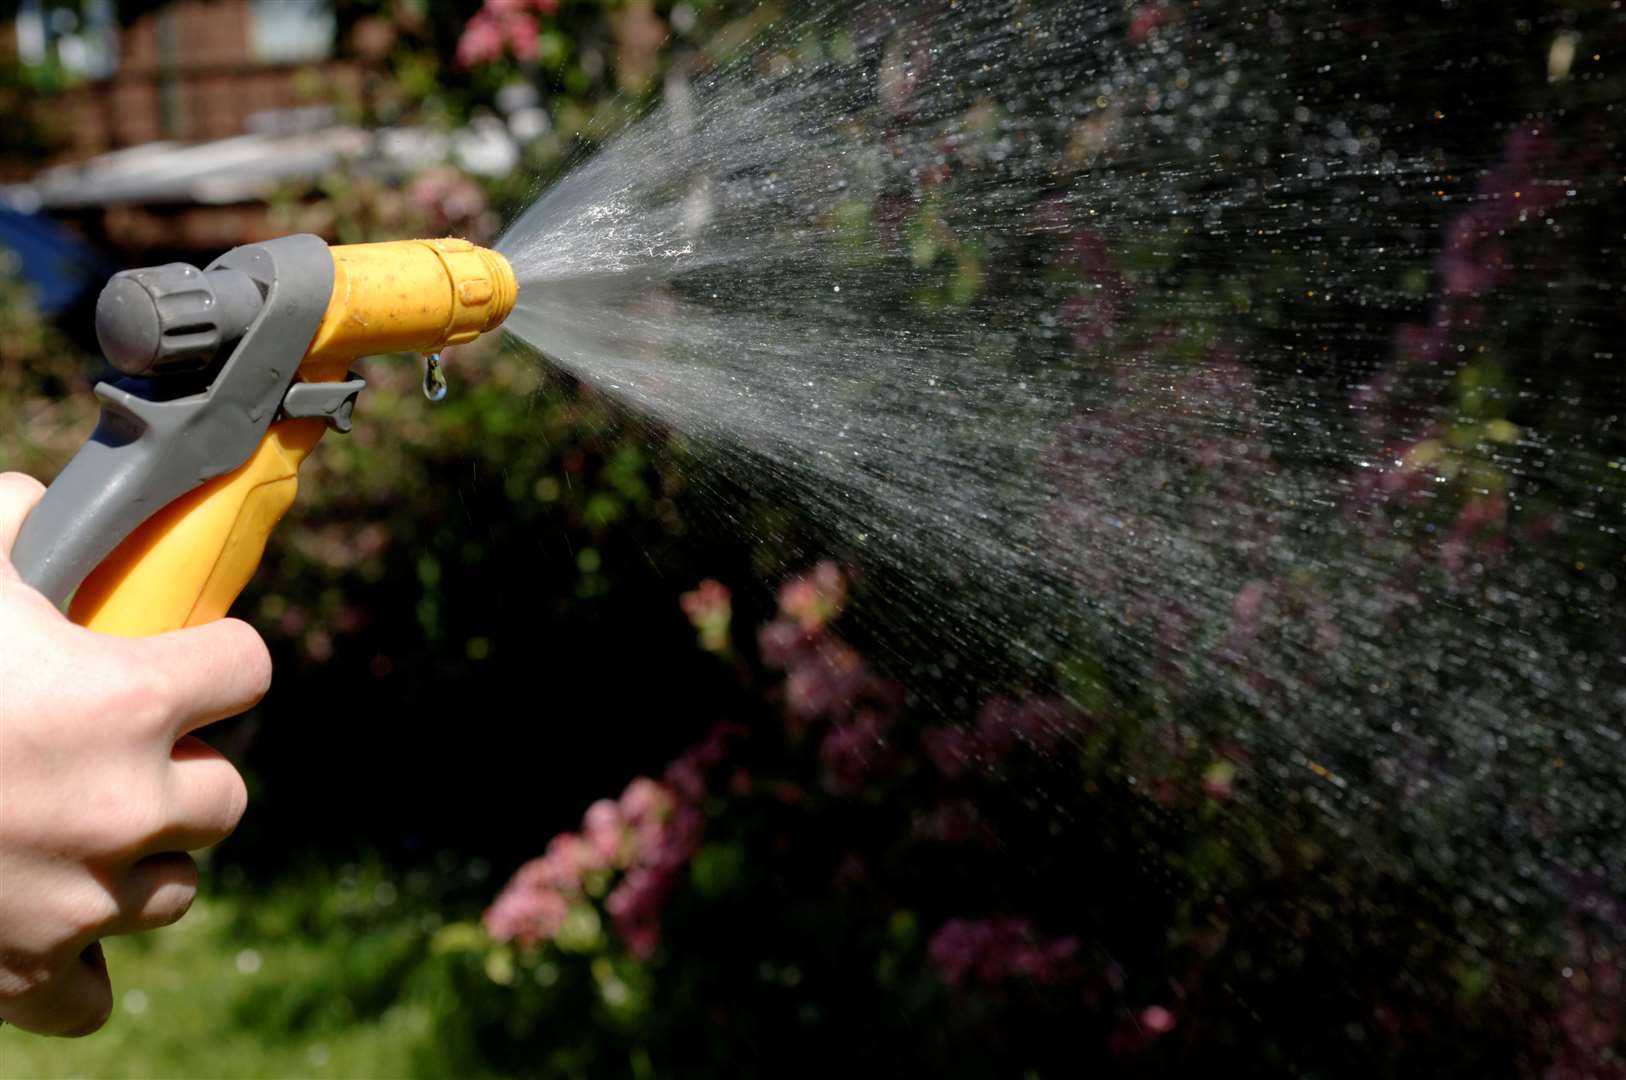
[290,31]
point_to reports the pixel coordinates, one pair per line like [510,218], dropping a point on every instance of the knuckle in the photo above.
[118,821]
[117,810]
[85,912]
[142,695]
[253,660]
[139,822]
[174,897]
[233,801]
[159,690]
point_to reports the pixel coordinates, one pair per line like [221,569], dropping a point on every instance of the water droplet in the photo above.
[434,378]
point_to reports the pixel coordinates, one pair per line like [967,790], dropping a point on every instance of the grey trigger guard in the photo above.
[147,451]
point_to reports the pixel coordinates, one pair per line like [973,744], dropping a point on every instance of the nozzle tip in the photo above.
[505,287]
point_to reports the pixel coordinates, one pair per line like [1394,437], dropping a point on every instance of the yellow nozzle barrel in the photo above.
[187,563]
[416,296]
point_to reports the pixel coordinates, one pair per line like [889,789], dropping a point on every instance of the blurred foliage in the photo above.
[29,135]
[45,402]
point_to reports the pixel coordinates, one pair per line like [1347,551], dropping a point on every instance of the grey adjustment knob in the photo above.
[162,319]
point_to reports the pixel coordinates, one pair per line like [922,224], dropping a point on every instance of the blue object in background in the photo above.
[56,264]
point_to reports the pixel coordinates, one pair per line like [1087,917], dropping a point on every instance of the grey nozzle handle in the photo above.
[145,453]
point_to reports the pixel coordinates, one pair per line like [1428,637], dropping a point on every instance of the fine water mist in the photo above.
[1217,365]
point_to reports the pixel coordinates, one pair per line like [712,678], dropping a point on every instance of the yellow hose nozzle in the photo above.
[259,345]
[417,296]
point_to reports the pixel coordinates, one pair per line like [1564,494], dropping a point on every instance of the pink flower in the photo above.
[1247,614]
[561,867]
[1144,21]
[997,950]
[645,800]
[635,903]
[481,42]
[781,641]
[856,750]
[710,610]
[815,598]
[826,680]
[634,896]
[502,25]
[650,833]
[604,830]
[1475,258]
[708,597]
[523,37]
[527,910]
[1157,1020]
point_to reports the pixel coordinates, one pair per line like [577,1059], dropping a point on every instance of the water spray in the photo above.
[231,374]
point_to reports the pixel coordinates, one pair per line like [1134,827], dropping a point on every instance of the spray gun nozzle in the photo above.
[269,331]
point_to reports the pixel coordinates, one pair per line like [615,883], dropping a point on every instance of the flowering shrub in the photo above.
[1225,830]
[887,840]
[629,854]
[503,27]
[997,950]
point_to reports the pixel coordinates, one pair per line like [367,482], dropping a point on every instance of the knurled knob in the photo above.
[163,319]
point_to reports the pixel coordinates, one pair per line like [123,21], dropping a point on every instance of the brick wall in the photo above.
[186,71]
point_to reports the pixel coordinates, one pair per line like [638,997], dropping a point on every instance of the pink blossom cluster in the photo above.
[641,841]
[1003,724]
[1474,261]
[503,26]
[994,951]
[1140,1030]
[1145,20]
[857,748]
[814,599]
[827,682]
[710,610]
[1105,296]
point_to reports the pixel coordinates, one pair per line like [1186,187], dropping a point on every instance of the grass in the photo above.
[179,1000]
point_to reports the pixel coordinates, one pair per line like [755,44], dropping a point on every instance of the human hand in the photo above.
[102,787]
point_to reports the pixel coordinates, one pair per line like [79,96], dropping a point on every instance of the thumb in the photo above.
[18,495]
